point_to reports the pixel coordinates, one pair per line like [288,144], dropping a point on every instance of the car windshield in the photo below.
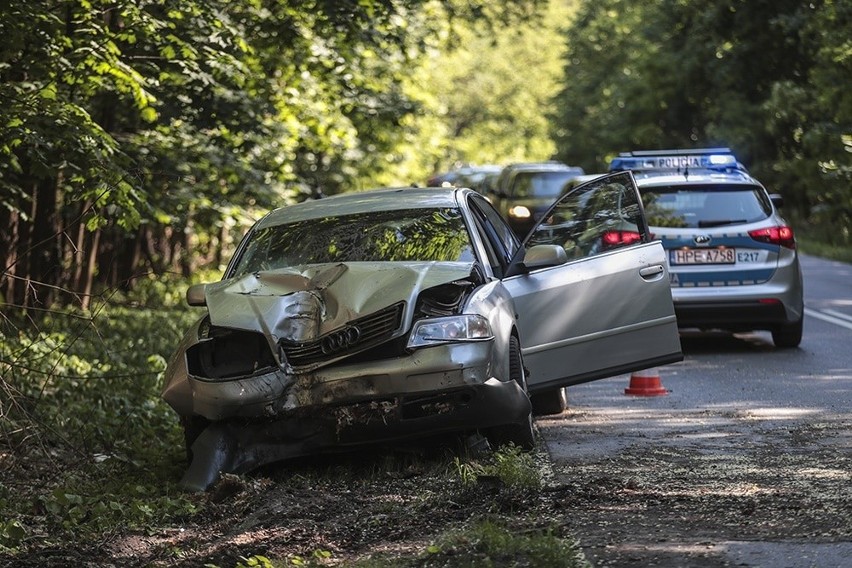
[390,235]
[705,206]
[541,184]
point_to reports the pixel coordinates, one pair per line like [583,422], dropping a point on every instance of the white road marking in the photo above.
[831,317]
[837,314]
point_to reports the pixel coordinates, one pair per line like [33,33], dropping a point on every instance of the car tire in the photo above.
[193,426]
[788,336]
[549,402]
[521,434]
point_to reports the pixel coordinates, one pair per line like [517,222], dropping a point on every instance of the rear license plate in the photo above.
[704,256]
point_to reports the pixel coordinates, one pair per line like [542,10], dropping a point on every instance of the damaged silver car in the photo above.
[401,313]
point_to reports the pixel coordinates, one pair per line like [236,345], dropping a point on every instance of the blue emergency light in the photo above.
[676,160]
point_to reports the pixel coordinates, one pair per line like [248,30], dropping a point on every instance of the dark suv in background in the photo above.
[524,191]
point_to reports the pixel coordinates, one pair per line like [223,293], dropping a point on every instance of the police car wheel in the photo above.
[788,336]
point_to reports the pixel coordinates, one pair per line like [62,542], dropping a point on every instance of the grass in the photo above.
[88,450]
[485,544]
[824,250]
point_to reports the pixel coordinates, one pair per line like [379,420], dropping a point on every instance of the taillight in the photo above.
[620,238]
[782,236]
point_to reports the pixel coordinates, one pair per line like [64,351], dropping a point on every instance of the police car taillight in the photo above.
[620,238]
[782,236]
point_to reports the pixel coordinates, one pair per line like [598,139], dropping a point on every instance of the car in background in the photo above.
[733,259]
[470,176]
[373,317]
[524,191]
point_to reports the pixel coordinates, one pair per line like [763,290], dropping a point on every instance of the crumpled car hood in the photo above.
[301,303]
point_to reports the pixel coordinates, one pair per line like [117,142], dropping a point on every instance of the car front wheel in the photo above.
[521,434]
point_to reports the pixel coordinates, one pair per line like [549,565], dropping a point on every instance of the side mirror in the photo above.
[777,200]
[195,295]
[542,256]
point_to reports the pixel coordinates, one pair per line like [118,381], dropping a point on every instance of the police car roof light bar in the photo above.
[676,160]
[681,152]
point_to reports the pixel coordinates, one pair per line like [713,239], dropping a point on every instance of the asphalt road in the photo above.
[775,422]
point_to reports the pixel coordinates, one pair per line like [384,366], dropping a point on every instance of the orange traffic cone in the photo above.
[646,383]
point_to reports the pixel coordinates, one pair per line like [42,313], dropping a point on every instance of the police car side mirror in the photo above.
[777,200]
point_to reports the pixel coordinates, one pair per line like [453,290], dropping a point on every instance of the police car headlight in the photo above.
[452,329]
[519,212]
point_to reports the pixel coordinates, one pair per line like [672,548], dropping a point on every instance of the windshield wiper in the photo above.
[720,222]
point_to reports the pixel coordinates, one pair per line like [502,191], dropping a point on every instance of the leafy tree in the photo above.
[483,99]
[140,136]
[759,76]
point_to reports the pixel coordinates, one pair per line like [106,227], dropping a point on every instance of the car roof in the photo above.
[695,177]
[385,199]
[541,166]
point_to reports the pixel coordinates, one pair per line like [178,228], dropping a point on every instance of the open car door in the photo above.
[607,308]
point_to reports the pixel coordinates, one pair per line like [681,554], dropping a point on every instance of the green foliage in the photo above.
[255,561]
[86,507]
[511,465]
[86,385]
[820,248]
[762,77]
[489,544]
[166,129]
[481,94]
[12,532]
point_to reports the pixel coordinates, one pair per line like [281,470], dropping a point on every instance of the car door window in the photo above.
[494,258]
[596,217]
[506,240]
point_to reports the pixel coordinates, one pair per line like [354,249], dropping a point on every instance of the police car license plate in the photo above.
[705,256]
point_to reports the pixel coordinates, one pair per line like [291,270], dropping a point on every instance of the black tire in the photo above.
[550,402]
[193,426]
[521,434]
[788,336]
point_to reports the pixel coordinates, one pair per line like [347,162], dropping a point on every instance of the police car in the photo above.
[732,257]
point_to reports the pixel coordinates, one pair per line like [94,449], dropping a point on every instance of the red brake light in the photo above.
[782,236]
[620,238]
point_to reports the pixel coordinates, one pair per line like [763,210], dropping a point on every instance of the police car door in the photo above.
[607,309]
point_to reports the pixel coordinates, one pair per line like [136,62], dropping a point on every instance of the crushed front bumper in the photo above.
[241,445]
[273,416]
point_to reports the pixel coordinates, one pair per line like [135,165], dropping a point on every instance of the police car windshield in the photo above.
[710,205]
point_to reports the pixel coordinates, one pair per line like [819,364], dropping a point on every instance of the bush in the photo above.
[81,411]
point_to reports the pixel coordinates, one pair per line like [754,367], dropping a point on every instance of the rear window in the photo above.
[704,206]
[541,184]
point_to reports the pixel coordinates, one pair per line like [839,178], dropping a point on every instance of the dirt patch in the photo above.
[705,489]
[327,510]
[638,499]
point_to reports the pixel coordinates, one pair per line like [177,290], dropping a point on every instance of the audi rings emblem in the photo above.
[340,340]
[702,239]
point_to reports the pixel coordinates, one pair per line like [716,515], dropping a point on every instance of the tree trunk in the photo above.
[9,256]
[89,273]
[79,248]
[44,268]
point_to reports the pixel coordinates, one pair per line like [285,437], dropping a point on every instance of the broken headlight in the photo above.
[435,331]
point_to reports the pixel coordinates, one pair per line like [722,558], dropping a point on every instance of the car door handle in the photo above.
[652,272]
